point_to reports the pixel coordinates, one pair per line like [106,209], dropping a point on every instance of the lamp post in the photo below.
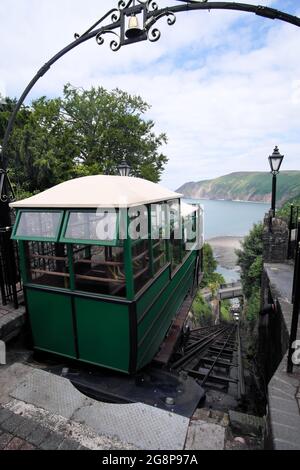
[275,161]
[124,169]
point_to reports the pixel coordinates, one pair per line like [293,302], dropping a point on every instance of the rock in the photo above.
[246,424]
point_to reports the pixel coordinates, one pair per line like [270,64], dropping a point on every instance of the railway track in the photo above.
[212,356]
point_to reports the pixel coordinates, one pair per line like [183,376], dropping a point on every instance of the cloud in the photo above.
[223,85]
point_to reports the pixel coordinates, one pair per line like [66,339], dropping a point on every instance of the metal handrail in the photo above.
[293,226]
[296,310]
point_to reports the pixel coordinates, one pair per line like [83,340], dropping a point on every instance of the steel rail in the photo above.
[198,341]
[203,343]
[241,378]
[218,357]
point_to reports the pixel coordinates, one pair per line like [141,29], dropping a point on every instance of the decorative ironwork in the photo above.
[153,33]
[149,13]
[7,194]
[115,45]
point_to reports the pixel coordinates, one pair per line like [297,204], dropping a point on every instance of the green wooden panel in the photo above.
[166,296]
[153,328]
[51,322]
[151,345]
[147,298]
[103,333]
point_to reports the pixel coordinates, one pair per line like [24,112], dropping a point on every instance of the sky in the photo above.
[224,86]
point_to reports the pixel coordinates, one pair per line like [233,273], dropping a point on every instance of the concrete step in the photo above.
[11,322]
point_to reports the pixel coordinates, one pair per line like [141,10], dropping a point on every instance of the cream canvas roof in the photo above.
[99,191]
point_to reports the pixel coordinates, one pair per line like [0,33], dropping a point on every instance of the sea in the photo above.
[230,218]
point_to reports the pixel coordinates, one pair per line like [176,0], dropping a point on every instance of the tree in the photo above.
[83,133]
[109,128]
[253,306]
[250,260]
[209,265]
[202,310]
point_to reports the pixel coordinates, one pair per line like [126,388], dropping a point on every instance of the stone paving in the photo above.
[22,433]
[11,321]
[53,412]
[42,411]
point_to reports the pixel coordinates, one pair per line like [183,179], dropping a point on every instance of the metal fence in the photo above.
[296,305]
[294,253]
[293,231]
[10,279]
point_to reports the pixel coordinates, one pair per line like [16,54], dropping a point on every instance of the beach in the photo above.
[224,250]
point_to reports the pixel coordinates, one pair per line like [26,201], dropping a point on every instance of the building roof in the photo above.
[99,191]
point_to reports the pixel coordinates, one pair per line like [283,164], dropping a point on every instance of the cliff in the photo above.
[245,186]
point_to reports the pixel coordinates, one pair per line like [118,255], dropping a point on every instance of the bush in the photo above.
[209,265]
[250,260]
[225,314]
[202,310]
[253,306]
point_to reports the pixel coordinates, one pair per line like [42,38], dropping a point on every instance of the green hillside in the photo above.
[245,186]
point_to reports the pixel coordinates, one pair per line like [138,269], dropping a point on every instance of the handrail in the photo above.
[296,311]
[292,225]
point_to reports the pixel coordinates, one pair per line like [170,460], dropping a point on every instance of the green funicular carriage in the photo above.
[108,302]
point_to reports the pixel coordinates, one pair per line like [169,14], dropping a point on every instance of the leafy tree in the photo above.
[213,287]
[209,265]
[6,107]
[83,133]
[202,310]
[285,210]
[253,306]
[225,314]
[250,260]
[109,128]
[45,148]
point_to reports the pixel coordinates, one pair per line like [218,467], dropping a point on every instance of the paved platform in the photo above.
[280,276]
[53,402]
[40,410]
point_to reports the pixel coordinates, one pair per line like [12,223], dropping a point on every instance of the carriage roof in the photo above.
[99,191]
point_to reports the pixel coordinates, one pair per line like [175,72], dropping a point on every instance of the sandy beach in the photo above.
[224,250]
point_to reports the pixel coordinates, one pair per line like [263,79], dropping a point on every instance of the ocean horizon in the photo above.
[223,218]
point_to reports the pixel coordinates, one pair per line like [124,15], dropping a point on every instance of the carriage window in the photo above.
[47,264]
[175,235]
[158,227]
[93,226]
[99,269]
[141,264]
[139,234]
[41,225]
[189,232]
[159,255]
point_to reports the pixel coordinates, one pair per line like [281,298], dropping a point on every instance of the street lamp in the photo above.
[124,168]
[275,161]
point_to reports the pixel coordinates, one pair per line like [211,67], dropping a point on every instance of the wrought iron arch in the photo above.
[117,17]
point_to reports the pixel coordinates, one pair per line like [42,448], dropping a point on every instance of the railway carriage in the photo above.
[104,273]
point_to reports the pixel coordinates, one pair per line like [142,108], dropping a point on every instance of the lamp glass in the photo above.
[124,169]
[275,163]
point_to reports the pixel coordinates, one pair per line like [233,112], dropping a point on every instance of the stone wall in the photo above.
[275,239]
[273,333]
